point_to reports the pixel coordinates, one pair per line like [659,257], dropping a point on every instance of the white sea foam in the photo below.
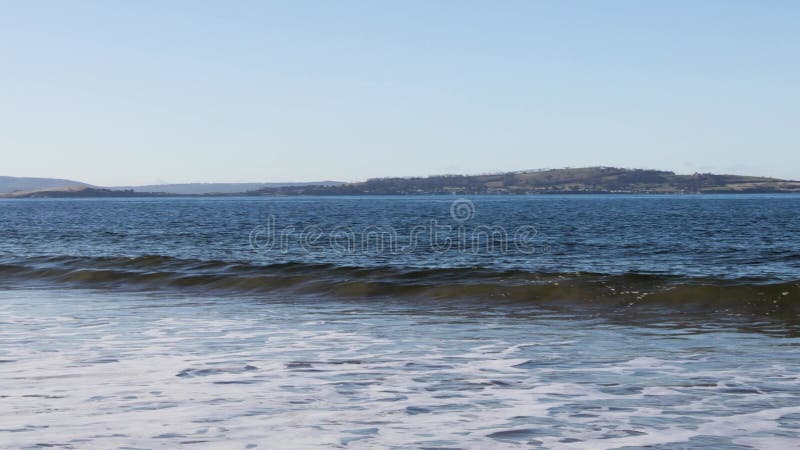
[97,371]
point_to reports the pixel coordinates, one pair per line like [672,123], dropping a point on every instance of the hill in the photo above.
[12,184]
[553,181]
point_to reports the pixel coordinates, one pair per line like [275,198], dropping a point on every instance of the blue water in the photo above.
[726,236]
[521,322]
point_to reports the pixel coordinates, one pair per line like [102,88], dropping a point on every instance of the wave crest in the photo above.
[155,272]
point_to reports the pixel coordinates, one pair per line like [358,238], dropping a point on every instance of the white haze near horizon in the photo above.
[146,93]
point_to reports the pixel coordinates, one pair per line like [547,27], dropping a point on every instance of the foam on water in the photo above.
[83,369]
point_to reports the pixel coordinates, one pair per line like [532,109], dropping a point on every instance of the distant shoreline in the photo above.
[118,195]
[569,181]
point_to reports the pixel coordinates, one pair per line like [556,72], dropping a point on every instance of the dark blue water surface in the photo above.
[725,236]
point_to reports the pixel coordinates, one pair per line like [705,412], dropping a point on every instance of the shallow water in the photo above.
[89,369]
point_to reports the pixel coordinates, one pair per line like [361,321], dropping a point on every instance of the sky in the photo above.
[121,92]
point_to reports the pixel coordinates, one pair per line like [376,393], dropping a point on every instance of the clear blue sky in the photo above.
[123,92]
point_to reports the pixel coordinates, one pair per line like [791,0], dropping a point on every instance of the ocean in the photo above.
[563,321]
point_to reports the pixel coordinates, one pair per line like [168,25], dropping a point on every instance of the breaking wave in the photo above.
[155,272]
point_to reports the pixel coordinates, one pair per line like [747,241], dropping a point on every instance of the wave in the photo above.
[155,272]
